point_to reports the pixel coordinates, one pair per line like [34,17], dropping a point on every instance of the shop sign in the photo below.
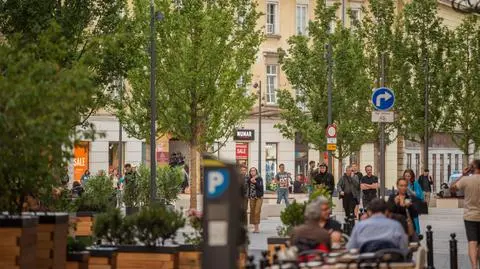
[244,135]
[80,160]
[241,151]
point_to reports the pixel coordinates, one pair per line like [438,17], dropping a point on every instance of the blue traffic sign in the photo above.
[383,99]
[217,182]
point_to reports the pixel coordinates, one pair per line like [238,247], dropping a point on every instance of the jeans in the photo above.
[282,194]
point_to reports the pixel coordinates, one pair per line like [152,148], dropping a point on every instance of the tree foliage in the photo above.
[463,111]
[94,32]
[203,49]
[39,103]
[306,65]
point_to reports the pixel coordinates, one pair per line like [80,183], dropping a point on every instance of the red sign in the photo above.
[80,161]
[241,151]
[331,131]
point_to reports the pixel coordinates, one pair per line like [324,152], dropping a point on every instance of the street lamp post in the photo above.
[259,86]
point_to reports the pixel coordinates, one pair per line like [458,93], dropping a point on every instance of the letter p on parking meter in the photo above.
[223,207]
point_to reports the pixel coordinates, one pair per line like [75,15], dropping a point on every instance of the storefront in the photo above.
[242,138]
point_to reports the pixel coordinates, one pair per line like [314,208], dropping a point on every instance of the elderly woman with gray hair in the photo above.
[310,236]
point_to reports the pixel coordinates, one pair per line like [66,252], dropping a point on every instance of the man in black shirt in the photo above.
[369,186]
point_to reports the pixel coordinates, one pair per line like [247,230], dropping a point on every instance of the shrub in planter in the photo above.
[291,216]
[77,256]
[158,222]
[320,190]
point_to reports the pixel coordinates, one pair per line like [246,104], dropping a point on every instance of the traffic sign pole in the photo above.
[382,136]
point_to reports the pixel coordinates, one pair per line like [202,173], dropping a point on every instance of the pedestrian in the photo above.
[369,186]
[359,176]
[324,178]
[310,236]
[77,189]
[426,183]
[245,177]
[186,179]
[402,203]
[378,232]
[312,173]
[282,179]
[333,227]
[470,184]
[85,177]
[255,197]
[298,184]
[348,188]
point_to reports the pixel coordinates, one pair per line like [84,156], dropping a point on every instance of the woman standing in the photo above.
[401,203]
[255,197]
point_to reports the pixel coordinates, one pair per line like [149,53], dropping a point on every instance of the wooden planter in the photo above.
[102,258]
[52,233]
[190,257]
[18,242]
[141,257]
[273,242]
[83,224]
[77,260]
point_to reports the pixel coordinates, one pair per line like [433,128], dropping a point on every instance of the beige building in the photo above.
[283,19]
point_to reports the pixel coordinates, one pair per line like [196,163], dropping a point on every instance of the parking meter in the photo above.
[224,215]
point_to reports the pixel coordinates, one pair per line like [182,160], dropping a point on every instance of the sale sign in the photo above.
[241,151]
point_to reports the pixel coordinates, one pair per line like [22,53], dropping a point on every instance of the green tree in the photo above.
[95,33]
[463,110]
[203,49]
[421,41]
[39,103]
[305,65]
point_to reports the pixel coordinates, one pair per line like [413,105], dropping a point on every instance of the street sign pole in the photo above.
[329,97]
[382,137]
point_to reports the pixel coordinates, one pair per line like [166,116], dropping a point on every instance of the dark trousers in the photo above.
[367,200]
[349,204]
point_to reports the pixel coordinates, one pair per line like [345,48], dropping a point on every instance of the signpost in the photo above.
[331,134]
[383,100]
[223,208]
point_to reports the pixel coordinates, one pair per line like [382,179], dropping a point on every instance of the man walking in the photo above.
[426,183]
[369,186]
[471,213]
[282,179]
[325,178]
[348,191]
[359,176]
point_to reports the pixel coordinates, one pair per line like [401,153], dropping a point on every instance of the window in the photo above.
[409,161]
[272,84]
[442,169]
[272,18]
[271,162]
[302,19]
[331,26]
[299,97]
[355,18]
[243,85]
[417,163]
[456,163]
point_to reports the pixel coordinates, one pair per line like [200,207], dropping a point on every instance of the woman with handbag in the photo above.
[255,197]
[402,203]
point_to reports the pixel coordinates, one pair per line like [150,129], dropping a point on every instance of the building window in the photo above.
[456,163]
[299,97]
[417,163]
[302,19]
[331,26]
[272,84]
[355,18]
[442,169]
[113,155]
[434,172]
[272,18]
[271,163]
[409,161]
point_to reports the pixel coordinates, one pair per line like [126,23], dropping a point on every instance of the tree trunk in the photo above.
[194,173]
[340,168]
[466,155]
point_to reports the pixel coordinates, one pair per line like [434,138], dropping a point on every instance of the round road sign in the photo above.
[331,131]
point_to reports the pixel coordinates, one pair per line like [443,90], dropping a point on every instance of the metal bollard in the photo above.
[264,263]
[429,234]
[453,252]
[250,264]
[346,226]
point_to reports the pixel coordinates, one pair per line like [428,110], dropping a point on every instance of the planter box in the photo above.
[52,233]
[273,242]
[77,260]
[83,223]
[190,257]
[102,258]
[18,242]
[141,257]
[449,203]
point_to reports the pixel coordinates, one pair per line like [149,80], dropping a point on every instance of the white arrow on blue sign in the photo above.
[383,99]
